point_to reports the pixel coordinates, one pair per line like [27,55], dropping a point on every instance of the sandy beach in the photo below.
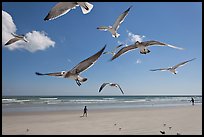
[185,120]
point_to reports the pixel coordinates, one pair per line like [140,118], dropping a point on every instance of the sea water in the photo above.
[64,103]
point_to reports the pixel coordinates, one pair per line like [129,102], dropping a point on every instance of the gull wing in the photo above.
[58,74]
[153,42]
[85,7]
[12,40]
[161,69]
[103,28]
[120,19]
[102,86]
[157,43]
[124,50]
[113,52]
[182,63]
[87,63]
[107,52]
[120,88]
[117,47]
[60,9]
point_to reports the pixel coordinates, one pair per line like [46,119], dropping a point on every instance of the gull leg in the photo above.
[78,83]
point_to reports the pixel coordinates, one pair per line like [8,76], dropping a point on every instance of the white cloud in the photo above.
[132,38]
[37,40]
[7,27]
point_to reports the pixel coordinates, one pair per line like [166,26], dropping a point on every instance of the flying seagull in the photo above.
[113,29]
[74,73]
[112,85]
[62,8]
[173,69]
[113,52]
[16,38]
[142,46]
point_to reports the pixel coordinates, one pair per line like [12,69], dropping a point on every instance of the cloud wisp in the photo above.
[37,39]
[132,38]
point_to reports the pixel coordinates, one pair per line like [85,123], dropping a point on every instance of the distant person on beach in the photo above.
[192,100]
[85,111]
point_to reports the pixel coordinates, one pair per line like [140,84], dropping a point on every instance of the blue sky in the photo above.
[73,37]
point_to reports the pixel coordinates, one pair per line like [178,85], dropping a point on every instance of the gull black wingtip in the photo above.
[46,18]
[37,73]
[129,8]
[6,44]
[193,59]
[103,48]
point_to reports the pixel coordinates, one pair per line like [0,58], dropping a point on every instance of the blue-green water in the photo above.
[56,103]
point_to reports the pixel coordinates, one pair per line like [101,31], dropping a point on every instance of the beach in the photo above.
[184,120]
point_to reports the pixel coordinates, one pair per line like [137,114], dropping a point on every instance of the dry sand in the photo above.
[146,121]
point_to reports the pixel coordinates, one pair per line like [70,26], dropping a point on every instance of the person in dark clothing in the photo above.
[192,100]
[85,111]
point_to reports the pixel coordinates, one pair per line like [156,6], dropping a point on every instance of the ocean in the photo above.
[64,103]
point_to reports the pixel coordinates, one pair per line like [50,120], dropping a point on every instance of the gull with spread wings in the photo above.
[62,8]
[114,51]
[112,85]
[74,73]
[142,46]
[173,69]
[113,29]
[16,38]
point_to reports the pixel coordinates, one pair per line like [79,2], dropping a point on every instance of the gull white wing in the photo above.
[120,88]
[103,28]
[161,69]
[175,47]
[15,35]
[107,52]
[87,63]
[157,43]
[85,7]
[60,9]
[182,63]
[120,19]
[57,74]
[102,86]
[13,40]
[113,52]
[124,50]
[117,47]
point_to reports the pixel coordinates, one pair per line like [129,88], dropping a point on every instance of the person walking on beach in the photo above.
[192,100]
[85,111]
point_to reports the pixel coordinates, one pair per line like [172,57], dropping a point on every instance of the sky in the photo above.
[60,44]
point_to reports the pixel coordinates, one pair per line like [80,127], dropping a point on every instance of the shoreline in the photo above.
[142,121]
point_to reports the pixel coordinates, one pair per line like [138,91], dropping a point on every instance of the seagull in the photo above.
[74,73]
[164,124]
[162,132]
[113,52]
[112,85]
[16,38]
[173,69]
[62,8]
[113,29]
[142,46]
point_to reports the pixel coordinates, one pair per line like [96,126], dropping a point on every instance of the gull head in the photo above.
[137,42]
[63,72]
[83,80]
